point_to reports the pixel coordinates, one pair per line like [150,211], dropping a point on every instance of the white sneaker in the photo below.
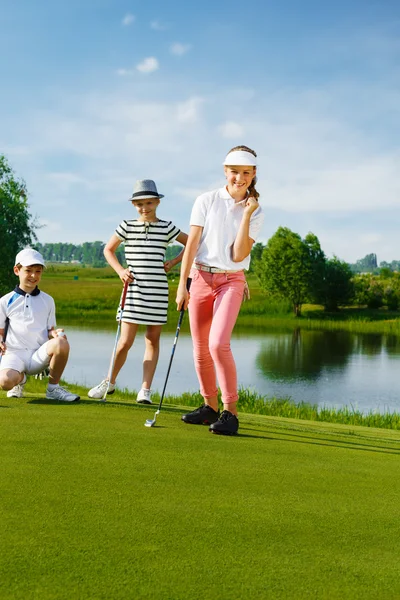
[18,390]
[60,393]
[144,397]
[99,390]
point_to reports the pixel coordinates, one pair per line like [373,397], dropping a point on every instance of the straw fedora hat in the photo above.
[145,188]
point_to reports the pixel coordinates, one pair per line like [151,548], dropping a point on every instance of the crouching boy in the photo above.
[29,340]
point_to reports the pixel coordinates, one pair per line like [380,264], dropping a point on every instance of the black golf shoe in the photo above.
[204,415]
[227,424]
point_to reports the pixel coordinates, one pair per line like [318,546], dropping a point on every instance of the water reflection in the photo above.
[392,345]
[369,345]
[304,354]
[322,367]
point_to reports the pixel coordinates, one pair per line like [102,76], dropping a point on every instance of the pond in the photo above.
[328,368]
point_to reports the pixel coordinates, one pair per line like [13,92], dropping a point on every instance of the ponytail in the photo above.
[252,189]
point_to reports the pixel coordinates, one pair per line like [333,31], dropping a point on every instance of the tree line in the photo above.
[296,269]
[88,253]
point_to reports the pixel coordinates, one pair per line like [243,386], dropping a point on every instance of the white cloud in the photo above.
[148,65]
[128,19]
[158,26]
[188,111]
[179,49]
[317,160]
[231,130]
[123,72]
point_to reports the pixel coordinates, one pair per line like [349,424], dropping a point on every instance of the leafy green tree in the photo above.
[391,290]
[336,287]
[386,272]
[369,290]
[317,260]
[255,256]
[391,297]
[16,226]
[289,266]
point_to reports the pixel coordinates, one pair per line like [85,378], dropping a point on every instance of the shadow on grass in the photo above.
[52,402]
[315,441]
[114,404]
[277,436]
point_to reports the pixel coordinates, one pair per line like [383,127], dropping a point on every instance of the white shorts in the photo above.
[26,361]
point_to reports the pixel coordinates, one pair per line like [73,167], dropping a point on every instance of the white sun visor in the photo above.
[240,158]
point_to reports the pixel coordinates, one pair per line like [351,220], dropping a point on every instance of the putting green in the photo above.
[96,505]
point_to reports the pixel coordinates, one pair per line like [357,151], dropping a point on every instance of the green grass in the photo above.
[96,506]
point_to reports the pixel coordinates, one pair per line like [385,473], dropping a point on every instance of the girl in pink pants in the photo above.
[223,227]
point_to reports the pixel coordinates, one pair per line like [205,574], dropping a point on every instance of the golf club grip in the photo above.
[7,323]
[6,326]
[124,292]
[182,311]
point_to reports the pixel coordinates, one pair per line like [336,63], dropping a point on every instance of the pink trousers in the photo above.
[215,300]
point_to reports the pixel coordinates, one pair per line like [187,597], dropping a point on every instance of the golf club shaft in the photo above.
[178,328]
[112,363]
[6,326]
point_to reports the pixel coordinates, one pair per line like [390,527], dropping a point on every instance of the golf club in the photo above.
[7,323]
[151,422]
[110,372]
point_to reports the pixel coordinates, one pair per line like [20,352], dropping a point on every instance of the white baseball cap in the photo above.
[28,257]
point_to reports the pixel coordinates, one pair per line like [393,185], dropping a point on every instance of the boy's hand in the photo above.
[54,333]
[168,265]
[126,275]
[3,347]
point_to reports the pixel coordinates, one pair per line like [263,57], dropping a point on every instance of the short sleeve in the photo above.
[199,211]
[173,232]
[256,222]
[122,231]
[3,313]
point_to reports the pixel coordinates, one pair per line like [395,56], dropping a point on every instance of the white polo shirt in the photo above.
[31,316]
[220,216]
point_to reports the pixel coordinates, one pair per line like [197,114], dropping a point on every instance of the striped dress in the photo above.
[145,245]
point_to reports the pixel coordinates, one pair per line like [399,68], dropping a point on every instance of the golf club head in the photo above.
[152,422]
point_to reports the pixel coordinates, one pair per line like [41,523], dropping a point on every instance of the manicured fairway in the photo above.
[95,505]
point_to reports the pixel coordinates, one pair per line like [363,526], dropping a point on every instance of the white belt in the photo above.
[208,269]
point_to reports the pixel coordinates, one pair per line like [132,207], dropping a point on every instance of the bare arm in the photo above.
[243,243]
[182,238]
[182,295]
[110,256]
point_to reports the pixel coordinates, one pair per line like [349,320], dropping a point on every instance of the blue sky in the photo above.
[99,93]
